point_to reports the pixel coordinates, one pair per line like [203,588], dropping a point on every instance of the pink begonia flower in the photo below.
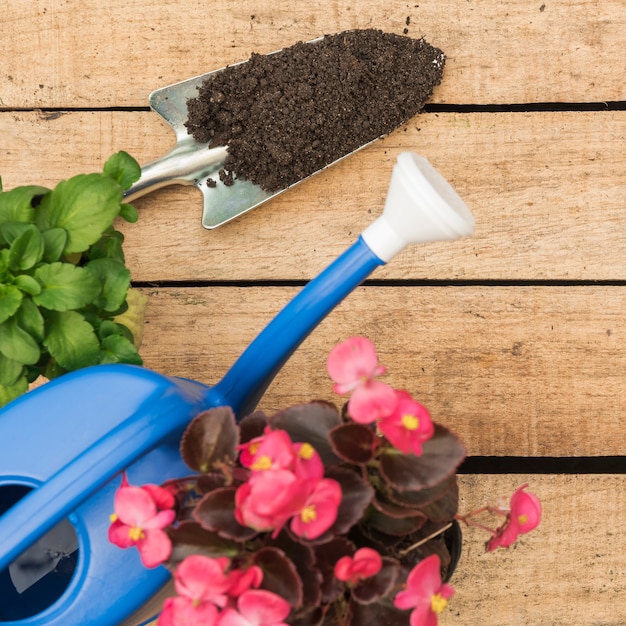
[202,585]
[269,499]
[524,516]
[425,593]
[140,515]
[244,580]
[353,366]
[319,511]
[257,608]
[307,463]
[273,451]
[365,563]
[408,426]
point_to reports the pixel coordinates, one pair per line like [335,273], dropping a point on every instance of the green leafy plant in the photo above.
[64,284]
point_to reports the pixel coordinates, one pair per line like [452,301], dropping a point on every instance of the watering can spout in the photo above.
[137,428]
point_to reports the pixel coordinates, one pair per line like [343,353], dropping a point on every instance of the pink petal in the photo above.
[155,548]
[352,361]
[308,464]
[244,580]
[134,506]
[177,611]
[163,498]
[202,578]
[422,615]
[263,607]
[231,617]
[527,506]
[160,520]
[319,511]
[119,535]
[371,401]
[422,584]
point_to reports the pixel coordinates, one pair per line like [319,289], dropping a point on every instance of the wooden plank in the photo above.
[570,570]
[528,371]
[547,190]
[77,53]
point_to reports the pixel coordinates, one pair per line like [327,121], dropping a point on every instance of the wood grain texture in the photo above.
[534,371]
[570,570]
[85,53]
[547,191]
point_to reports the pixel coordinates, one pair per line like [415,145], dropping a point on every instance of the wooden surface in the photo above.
[514,337]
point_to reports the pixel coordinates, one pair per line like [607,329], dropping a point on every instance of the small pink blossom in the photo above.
[273,451]
[425,593]
[353,366]
[257,608]
[408,426]
[140,515]
[365,563]
[320,509]
[269,499]
[524,515]
[244,580]
[202,584]
[307,462]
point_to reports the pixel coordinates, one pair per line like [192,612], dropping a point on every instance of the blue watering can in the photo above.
[64,445]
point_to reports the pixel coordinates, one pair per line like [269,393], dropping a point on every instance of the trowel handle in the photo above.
[184,165]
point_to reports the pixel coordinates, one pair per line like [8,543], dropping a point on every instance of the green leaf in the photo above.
[27,284]
[129,213]
[14,391]
[109,246]
[71,340]
[118,349]
[29,318]
[54,241]
[10,231]
[65,286]
[17,344]
[10,371]
[17,205]
[123,168]
[85,206]
[26,249]
[10,300]
[115,281]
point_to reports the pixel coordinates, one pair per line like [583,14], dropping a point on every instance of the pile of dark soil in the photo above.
[286,115]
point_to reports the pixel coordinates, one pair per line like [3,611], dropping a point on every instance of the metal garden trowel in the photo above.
[64,444]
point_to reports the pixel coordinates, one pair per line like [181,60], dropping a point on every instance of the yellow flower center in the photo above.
[437,603]
[522,519]
[253,447]
[262,463]
[135,533]
[410,422]
[306,451]
[308,514]
[113,518]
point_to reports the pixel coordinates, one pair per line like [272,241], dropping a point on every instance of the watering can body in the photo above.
[66,443]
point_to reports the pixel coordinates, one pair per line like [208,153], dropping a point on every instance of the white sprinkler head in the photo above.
[421,207]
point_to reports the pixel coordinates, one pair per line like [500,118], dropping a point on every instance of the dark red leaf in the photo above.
[210,439]
[353,442]
[279,575]
[190,538]
[216,512]
[310,423]
[357,494]
[252,426]
[442,454]
[378,614]
[375,587]
[326,555]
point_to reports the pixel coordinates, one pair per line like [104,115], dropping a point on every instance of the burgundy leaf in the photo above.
[210,440]
[190,538]
[422,497]
[375,587]
[279,575]
[310,423]
[446,507]
[216,512]
[356,497]
[396,526]
[353,442]
[302,556]
[377,614]
[252,426]
[326,555]
[442,454]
